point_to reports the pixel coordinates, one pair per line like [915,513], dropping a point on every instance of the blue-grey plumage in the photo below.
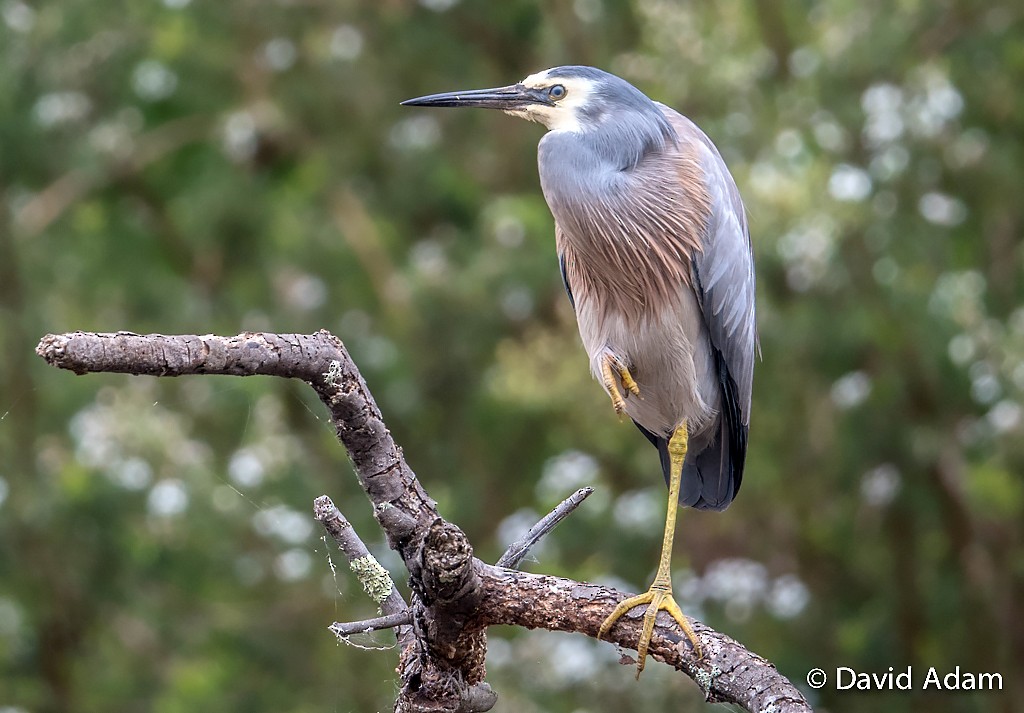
[655,254]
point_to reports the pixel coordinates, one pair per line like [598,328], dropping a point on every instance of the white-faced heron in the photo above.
[655,255]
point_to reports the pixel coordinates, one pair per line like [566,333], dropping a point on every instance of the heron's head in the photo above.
[562,98]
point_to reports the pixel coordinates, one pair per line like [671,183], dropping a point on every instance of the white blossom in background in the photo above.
[1005,416]
[737,583]
[768,181]
[640,511]
[829,133]
[428,259]
[500,652]
[415,133]
[941,209]
[574,656]
[167,498]
[741,586]
[967,149]
[92,431]
[850,184]
[125,435]
[851,390]
[152,80]
[284,523]
[57,108]
[958,296]
[509,231]
[962,349]
[226,499]
[880,485]
[438,5]
[18,16]
[378,352]
[280,54]
[804,61]
[588,10]
[132,473]
[516,302]
[239,135]
[514,526]
[293,564]
[300,290]
[246,468]
[268,453]
[985,386]
[556,661]
[688,587]
[346,43]
[789,144]
[788,597]
[934,103]
[566,473]
[807,251]
[883,106]
[112,137]
[890,162]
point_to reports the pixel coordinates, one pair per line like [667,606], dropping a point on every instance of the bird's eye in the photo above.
[557,92]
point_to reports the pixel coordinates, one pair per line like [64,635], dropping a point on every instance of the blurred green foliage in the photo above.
[183,166]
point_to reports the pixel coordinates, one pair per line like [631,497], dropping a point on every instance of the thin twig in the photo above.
[517,550]
[390,621]
[377,583]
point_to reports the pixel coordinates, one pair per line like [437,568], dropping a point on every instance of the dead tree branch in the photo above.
[455,596]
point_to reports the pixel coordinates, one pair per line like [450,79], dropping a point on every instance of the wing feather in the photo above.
[724,267]
[723,279]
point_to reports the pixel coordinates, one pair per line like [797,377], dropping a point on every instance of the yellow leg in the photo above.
[614,373]
[659,596]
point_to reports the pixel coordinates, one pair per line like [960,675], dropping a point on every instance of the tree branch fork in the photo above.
[455,596]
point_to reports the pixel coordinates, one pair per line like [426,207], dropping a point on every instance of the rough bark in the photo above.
[455,596]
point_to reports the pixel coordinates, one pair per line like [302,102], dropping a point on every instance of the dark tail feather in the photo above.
[712,475]
[711,478]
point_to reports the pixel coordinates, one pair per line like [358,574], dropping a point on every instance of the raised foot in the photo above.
[657,598]
[616,377]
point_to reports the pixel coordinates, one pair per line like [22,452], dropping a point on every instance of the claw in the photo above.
[615,376]
[611,385]
[627,381]
[657,598]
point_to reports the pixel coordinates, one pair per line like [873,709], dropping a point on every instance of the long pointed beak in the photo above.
[511,97]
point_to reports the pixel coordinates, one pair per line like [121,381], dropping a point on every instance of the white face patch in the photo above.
[564,115]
